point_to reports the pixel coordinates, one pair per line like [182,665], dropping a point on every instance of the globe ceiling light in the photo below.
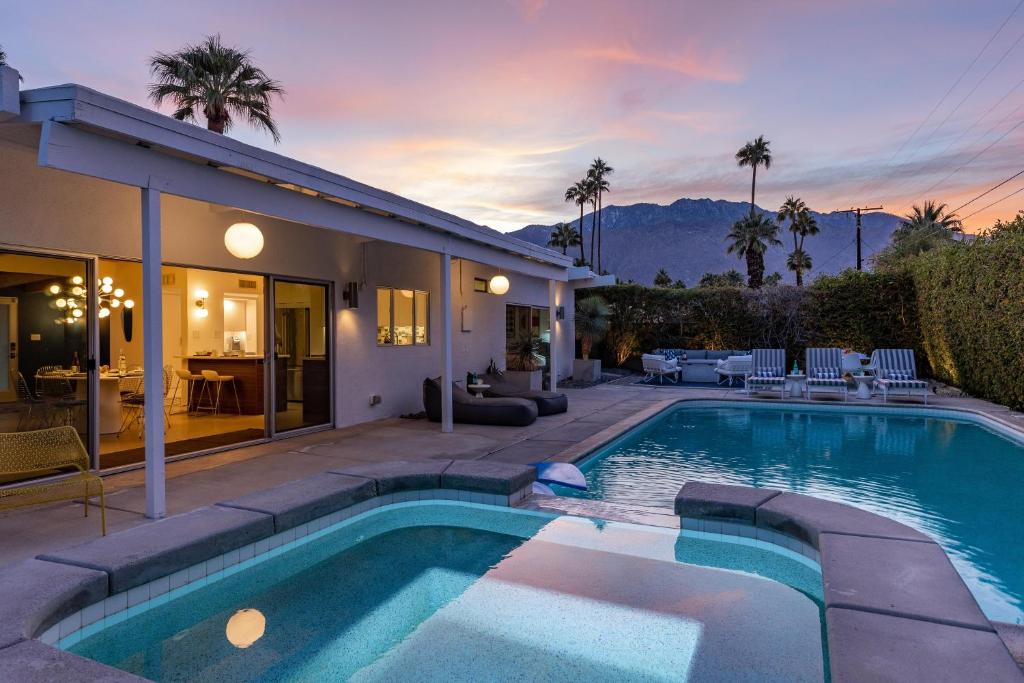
[245,627]
[55,289]
[129,303]
[498,285]
[243,240]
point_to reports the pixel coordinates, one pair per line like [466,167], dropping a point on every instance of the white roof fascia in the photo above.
[75,103]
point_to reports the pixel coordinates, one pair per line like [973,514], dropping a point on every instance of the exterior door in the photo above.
[9,346]
[302,355]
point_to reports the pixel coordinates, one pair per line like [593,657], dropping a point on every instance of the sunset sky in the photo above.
[489,109]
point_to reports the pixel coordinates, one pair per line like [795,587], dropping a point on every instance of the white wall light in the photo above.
[243,240]
[498,285]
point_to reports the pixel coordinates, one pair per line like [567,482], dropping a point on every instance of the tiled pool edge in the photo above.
[895,608]
[583,450]
[36,626]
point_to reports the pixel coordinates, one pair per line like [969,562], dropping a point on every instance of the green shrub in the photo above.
[970,301]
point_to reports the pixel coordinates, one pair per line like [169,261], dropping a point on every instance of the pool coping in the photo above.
[895,607]
[55,600]
[583,450]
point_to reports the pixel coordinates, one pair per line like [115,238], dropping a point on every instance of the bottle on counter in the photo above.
[74,362]
[122,363]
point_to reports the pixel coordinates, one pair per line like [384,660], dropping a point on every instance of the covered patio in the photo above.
[119,189]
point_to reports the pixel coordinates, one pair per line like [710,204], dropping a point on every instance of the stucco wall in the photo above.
[43,208]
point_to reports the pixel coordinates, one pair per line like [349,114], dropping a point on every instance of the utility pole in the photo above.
[857,211]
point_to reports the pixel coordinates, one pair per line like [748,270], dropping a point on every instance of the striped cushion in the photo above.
[826,382]
[761,379]
[904,383]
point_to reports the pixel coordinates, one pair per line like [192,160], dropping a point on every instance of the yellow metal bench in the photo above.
[56,454]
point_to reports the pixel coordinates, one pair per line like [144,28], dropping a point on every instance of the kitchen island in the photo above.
[248,372]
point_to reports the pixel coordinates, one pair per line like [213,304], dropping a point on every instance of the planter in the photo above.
[531,380]
[586,370]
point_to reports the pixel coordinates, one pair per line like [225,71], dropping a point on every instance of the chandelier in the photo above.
[73,296]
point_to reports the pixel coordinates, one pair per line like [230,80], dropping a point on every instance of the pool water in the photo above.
[462,592]
[957,481]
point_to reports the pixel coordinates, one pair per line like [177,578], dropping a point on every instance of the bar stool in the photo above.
[190,380]
[213,377]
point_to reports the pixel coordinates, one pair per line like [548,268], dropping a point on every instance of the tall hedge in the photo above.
[855,310]
[970,301]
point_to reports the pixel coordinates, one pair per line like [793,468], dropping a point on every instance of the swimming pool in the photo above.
[460,591]
[954,479]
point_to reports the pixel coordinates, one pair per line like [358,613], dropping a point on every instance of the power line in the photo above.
[998,201]
[991,189]
[974,158]
[950,90]
[939,156]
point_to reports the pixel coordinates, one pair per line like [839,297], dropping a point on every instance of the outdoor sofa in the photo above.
[469,409]
[699,364]
[548,402]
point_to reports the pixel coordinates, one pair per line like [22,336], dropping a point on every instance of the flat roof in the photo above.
[78,104]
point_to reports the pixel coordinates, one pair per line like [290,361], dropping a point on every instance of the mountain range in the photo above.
[687,238]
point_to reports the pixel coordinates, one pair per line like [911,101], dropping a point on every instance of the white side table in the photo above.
[478,389]
[795,383]
[863,383]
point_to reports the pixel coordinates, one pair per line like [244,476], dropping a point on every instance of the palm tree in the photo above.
[662,278]
[799,261]
[599,172]
[591,189]
[755,153]
[801,224]
[219,81]
[578,193]
[932,217]
[749,239]
[3,57]
[563,235]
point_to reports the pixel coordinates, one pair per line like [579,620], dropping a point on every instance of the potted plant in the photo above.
[522,364]
[591,326]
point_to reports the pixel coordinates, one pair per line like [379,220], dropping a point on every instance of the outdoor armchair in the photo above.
[768,371]
[825,373]
[896,373]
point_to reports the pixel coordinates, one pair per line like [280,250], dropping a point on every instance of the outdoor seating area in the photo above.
[826,371]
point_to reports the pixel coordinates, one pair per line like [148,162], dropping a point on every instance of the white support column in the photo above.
[555,337]
[446,342]
[152,345]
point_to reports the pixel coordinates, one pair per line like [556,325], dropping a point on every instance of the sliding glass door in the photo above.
[302,355]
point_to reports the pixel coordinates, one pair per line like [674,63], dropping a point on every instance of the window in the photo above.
[532,321]
[403,317]
[480,285]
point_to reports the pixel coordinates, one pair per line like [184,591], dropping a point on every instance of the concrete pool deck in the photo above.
[596,415]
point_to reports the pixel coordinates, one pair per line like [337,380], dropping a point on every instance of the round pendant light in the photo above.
[498,285]
[243,240]
[245,627]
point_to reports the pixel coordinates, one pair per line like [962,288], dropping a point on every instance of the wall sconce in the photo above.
[559,312]
[201,310]
[350,294]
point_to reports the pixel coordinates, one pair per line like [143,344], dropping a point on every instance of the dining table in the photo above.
[111,385]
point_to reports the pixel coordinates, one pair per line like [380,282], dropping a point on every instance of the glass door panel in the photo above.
[302,355]
[46,305]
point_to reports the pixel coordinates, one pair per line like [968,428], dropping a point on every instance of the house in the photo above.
[118,289]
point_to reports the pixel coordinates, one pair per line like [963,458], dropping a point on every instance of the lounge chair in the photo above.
[825,372]
[896,373]
[657,366]
[548,402]
[469,409]
[730,368]
[767,371]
